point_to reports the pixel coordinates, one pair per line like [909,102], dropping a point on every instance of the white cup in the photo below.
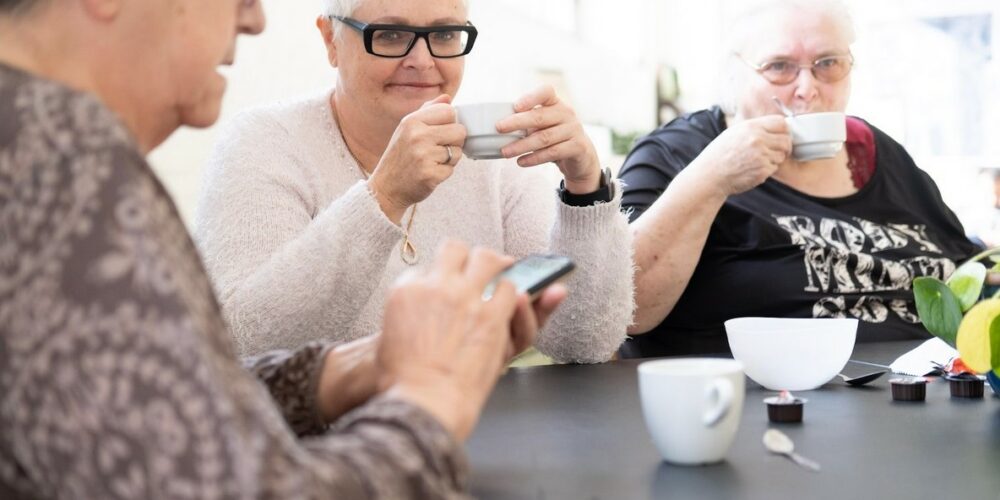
[692,407]
[483,142]
[817,135]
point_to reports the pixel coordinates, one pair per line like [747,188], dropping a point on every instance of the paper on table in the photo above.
[920,361]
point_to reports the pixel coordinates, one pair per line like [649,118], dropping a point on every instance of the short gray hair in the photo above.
[345,8]
[342,8]
[745,25]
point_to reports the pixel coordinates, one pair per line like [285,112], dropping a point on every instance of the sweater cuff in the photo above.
[586,223]
[292,379]
[363,213]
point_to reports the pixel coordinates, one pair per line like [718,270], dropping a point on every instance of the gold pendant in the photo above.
[409,252]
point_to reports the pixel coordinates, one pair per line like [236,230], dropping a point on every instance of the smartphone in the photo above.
[532,274]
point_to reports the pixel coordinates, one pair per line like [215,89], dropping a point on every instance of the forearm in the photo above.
[289,298]
[590,325]
[669,238]
[349,378]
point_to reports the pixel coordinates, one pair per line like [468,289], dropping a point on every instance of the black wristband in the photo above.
[604,194]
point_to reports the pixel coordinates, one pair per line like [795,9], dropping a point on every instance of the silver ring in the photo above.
[448,150]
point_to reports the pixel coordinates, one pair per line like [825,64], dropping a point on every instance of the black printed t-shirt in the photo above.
[775,251]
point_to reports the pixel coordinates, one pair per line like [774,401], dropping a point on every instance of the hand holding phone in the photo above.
[532,274]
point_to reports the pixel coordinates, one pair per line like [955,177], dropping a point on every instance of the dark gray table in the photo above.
[577,432]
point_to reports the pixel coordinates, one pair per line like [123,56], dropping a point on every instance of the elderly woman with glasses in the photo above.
[727,223]
[118,377]
[312,207]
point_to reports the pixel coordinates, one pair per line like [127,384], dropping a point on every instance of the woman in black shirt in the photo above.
[728,224]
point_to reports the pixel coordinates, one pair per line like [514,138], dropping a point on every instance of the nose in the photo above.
[806,86]
[420,55]
[251,19]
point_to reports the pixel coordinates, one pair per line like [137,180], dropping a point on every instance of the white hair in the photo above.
[346,8]
[343,8]
[747,24]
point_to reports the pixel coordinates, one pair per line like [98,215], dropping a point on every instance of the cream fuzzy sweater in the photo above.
[299,250]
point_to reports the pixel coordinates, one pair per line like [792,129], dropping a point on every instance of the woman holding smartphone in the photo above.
[118,377]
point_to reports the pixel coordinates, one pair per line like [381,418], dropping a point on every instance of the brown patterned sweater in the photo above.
[118,378]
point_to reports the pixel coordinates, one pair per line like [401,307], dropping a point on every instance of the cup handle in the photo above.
[720,392]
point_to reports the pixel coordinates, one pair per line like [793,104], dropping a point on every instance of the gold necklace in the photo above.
[407,252]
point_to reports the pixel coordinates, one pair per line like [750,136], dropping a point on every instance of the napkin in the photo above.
[921,360]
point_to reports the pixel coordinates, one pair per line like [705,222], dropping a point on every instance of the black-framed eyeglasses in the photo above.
[827,69]
[397,40]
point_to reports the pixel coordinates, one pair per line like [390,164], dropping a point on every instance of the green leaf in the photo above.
[995,343]
[967,283]
[939,309]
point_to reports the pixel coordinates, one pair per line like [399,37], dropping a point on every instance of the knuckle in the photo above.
[409,132]
[545,136]
[537,119]
[418,132]
[409,121]
[556,152]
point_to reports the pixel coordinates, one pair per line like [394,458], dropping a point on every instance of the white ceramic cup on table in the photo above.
[817,136]
[482,141]
[692,407]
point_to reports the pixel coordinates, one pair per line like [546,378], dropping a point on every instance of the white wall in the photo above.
[286,60]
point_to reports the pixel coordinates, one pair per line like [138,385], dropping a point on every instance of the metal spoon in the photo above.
[777,442]
[784,109]
[862,379]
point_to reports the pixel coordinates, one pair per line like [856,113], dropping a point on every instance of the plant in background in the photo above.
[622,142]
[957,312]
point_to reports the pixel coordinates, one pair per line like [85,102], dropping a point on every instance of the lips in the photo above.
[419,85]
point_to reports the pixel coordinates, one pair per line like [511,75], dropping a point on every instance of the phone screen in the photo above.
[532,274]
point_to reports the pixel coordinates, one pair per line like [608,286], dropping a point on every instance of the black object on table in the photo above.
[577,432]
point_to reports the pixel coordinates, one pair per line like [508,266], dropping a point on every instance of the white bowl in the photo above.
[487,147]
[795,354]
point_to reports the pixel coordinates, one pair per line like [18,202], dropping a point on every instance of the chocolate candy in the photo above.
[908,389]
